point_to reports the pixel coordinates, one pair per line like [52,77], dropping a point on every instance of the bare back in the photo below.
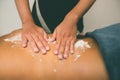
[22,63]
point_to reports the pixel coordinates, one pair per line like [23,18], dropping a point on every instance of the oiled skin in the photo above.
[17,63]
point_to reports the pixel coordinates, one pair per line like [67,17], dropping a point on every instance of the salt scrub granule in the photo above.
[76,57]
[82,44]
[14,38]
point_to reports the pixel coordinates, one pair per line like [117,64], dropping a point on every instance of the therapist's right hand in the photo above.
[35,36]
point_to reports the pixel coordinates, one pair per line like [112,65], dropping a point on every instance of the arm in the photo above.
[79,10]
[24,11]
[31,33]
[68,27]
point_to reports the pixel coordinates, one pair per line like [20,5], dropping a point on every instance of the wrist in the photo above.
[28,24]
[27,20]
[73,18]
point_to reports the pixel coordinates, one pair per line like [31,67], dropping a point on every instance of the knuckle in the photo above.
[66,49]
[61,51]
[62,45]
[40,45]
[37,40]
[32,44]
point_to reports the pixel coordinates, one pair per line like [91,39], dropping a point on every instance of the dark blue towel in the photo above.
[108,39]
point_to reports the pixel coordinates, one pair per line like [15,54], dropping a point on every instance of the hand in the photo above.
[35,36]
[65,36]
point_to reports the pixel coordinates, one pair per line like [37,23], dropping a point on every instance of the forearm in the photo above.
[79,10]
[24,10]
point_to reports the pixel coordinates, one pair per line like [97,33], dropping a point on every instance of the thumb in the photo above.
[53,36]
[24,42]
[45,36]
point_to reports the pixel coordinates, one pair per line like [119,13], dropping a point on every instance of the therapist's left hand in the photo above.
[65,36]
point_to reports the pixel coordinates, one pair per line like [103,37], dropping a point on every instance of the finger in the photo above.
[57,45]
[61,49]
[72,46]
[44,43]
[45,36]
[32,44]
[67,49]
[24,41]
[54,36]
[43,40]
[38,40]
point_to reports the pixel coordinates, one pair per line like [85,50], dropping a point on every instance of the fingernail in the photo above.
[47,48]
[65,55]
[60,56]
[36,49]
[55,52]
[23,45]
[49,38]
[71,52]
[43,51]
